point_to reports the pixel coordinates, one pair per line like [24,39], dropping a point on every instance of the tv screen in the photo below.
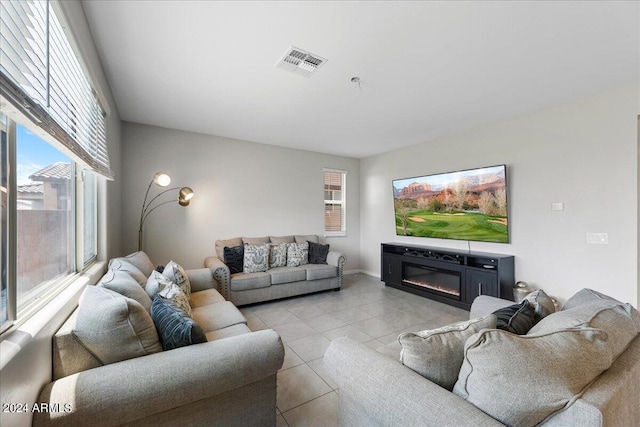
[464,205]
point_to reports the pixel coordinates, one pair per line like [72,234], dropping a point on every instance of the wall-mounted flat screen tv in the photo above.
[464,205]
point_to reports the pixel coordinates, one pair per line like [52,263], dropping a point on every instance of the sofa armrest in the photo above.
[484,305]
[201,279]
[139,388]
[376,390]
[221,274]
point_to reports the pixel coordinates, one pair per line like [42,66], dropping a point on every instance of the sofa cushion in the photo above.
[141,261]
[523,379]
[437,354]
[218,316]
[175,294]
[156,283]
[256,258]
[246,281]
[297,254]
[122,283]
[282,275]
[234,258]
[229,331]
[277,255]
[256,240]
[589,295]
[318,253]
[541,303]
[119,264]
[612,317]
[320,271]
[282,239]
[174,272]
[113,327]
[516,318]
[221,244]
[175,328]
[310,238]
[205,297]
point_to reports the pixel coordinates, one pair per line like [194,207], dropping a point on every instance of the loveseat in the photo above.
[576,367]
[111,366]
[271,282]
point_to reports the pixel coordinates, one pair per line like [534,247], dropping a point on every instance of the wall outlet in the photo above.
[557,206]
[598,238]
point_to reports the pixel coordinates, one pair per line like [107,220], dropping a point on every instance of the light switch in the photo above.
[598,238]
[557,206]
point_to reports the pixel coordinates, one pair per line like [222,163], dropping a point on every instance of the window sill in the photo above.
[339,234]
[47,317]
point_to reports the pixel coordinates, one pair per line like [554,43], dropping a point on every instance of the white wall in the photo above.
[241,189]
[25,353]
[583,154]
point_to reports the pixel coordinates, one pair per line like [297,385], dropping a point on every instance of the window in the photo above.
[53,146]
[335,202]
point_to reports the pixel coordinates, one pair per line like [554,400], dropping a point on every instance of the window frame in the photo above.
[341,202]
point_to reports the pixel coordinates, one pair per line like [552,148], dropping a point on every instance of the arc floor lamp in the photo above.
[161,179]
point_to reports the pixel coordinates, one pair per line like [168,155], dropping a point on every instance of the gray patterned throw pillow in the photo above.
[297,254]
[277,255]
[174,272]
[256,258]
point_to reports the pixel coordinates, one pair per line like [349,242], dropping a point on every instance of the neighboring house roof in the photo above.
[36,188]
[56,171]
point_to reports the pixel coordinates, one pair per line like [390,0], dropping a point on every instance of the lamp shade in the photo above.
[162,179]
[186,193]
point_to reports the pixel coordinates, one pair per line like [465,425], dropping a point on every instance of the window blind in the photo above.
[41,76]
[334,197]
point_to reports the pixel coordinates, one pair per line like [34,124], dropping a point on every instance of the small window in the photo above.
[335,202]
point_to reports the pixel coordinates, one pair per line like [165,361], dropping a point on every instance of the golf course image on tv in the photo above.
[464,205]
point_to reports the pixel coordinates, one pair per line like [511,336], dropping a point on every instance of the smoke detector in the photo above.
[300,61]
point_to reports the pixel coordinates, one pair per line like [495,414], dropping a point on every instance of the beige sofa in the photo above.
[229,380]
[275,283]
[584,372]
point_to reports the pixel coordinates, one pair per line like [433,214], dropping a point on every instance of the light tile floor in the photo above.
[364,310]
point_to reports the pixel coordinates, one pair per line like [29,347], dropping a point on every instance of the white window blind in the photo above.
[41,76]
[334,202]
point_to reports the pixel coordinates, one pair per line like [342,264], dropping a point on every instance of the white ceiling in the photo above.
[427,69]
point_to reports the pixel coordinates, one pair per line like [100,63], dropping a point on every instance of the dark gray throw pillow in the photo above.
[516,318]
[175,328]
[234,258]
[317,253]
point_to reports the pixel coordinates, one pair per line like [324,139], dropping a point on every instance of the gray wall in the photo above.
[241,189]
[583,154]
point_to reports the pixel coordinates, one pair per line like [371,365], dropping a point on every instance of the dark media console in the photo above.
[449,276]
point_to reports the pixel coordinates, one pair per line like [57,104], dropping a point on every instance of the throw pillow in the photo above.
[277,255]
[516,318]
[523,379]
[175,294]
[610,316]
[156,283]
[318,253]
[256,258]
[141,261]
[113,327]
[174,272]
[297,254]
[438,354]
[175,328]
[122,283]
[234,258]
[119,264]
[541,303]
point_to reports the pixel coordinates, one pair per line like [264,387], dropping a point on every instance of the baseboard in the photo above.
[368,273]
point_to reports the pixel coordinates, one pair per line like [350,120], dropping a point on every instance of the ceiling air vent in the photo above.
[300,61]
